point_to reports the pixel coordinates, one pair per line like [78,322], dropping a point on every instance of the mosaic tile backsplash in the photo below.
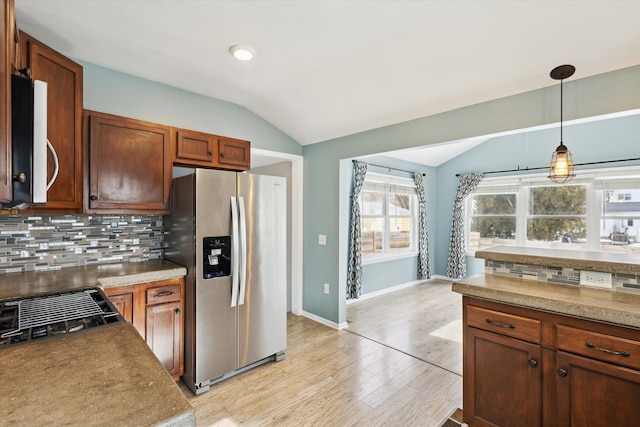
[558,275]
[52,242]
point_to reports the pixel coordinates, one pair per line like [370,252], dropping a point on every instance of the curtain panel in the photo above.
[457,261]
[424,263]
[354,272]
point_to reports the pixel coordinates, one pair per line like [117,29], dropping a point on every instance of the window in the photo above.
[388,210]
[597,211]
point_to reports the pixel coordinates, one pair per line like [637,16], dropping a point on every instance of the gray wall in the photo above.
[602,94]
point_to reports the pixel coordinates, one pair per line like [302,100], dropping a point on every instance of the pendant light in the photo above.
[561,168]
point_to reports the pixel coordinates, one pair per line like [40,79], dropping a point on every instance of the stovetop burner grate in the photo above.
[56,308]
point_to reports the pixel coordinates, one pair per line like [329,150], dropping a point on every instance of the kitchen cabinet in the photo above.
[64,122]
[530,367]
[156,310]
[198,149]
[7,49]
[129,165]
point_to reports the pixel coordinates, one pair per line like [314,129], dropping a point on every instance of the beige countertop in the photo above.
[580,301]
[578,260]
[14,285]
[100,377]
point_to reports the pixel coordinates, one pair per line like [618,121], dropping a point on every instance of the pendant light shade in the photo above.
[561,169]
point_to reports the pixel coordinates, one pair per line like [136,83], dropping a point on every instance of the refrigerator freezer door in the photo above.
[215,318]
[262,319]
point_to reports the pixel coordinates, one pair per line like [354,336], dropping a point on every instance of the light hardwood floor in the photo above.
[333,378]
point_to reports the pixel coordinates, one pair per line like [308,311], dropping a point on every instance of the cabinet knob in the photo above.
[94,197]
[533,363]
[21,177]
[177,311]
[221,154]
[562,372]
[211,153]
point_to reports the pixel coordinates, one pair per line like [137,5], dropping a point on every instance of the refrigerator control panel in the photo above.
[216,257]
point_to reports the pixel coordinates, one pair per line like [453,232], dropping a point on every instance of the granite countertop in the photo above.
[99,377]
[578,260]
[580,301]
[15,285]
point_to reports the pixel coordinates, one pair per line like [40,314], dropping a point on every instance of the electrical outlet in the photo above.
[595,278]
[322,239]
[326,288]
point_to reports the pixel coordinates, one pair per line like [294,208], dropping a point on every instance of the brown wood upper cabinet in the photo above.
[129,165]
[7,48]
[64,121]
[198,149]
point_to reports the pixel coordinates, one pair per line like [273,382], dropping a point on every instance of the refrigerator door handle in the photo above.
[235,251]
[243,250]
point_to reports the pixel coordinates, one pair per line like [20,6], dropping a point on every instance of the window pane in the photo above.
[399,234]
[490,231]
[399,205]
[560,230]
[559,200]
[372,203]
[372,235]
[486,204]
[620,224]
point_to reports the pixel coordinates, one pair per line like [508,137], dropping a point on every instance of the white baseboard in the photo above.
[393,289]
[324,321]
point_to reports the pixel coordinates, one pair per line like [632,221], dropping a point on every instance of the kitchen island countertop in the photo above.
[590,303]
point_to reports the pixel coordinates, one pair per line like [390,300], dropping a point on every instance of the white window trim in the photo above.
[413,250]
[594,180]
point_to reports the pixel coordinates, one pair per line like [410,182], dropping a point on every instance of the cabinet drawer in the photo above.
[163,294]
[505,324]
[603,347]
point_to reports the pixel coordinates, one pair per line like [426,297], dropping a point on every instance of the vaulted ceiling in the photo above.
[326,69]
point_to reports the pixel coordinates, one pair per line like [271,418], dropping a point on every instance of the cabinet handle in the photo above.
[177,311]
[617,353]
[502,325]
[533,363]
[222,154]
[163,294]
[211,153]
[562,372]
[94,197]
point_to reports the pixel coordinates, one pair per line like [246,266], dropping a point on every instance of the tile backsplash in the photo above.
[51,242]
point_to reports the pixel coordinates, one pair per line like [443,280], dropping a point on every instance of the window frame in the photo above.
[595,185]
[414,215]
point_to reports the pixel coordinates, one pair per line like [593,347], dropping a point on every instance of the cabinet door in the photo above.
[234,154]
[596,394]
[192,148]
[124,304]
[7,50]
[64,122]
[502,380]
[164,334]
[129,165]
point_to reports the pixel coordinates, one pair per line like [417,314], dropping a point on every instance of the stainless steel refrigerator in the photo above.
[229,230]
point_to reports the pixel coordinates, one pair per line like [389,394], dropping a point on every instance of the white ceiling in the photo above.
[325,69]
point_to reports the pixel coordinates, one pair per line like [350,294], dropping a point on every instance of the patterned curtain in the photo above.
[424,263]
[457,262]
[354,273]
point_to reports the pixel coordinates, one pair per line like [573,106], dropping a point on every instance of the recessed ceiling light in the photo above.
[242,52]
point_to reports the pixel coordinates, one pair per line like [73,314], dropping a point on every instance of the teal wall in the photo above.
[122,94]
[592,96]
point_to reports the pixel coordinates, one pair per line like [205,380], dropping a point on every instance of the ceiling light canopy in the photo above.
[561,169]
[242,52]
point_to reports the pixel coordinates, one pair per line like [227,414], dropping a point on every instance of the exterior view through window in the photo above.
[598,211]
[388,207]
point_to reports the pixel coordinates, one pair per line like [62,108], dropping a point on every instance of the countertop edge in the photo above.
[128,279]
[558,306]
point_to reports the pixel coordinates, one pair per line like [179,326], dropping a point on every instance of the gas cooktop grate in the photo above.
[56,308]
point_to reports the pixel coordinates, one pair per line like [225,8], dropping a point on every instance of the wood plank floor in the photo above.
[332,378]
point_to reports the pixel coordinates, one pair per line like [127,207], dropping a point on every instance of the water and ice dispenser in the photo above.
[216,259]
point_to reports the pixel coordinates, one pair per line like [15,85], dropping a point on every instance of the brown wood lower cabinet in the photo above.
[156,310]
[571,372]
